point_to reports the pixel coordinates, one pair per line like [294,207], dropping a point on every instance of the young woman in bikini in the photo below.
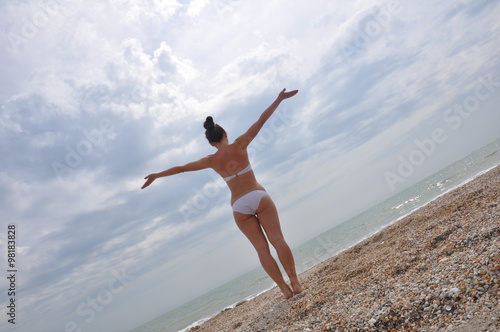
[253,209]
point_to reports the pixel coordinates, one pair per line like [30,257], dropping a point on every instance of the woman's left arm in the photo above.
[193,166]
[254,129]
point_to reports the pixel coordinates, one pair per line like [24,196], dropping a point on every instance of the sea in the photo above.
[331,242]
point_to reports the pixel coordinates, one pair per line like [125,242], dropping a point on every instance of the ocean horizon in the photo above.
[330,243]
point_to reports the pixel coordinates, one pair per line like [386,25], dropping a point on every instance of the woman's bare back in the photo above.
[228,161]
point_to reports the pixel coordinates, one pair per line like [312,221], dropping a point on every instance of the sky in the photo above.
[95,95]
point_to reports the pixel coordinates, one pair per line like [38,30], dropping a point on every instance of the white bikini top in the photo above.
[243,171]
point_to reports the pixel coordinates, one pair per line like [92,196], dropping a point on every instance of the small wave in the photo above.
[203,320]
[410,200]
[490,155]
[441,184]
[258,294]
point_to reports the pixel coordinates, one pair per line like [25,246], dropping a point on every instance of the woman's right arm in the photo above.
[193,166]
[254,129]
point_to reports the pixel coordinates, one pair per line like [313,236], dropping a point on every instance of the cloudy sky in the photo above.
[95,95]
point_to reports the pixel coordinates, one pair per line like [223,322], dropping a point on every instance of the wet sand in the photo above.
[437,269]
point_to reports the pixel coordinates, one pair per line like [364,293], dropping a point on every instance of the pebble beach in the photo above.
[437,269]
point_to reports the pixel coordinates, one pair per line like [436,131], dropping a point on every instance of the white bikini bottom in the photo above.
[248,203]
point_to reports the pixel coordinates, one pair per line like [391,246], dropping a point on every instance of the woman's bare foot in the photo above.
[287,292]
[296,286]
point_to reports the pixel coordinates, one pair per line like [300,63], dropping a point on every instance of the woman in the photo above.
[253,209]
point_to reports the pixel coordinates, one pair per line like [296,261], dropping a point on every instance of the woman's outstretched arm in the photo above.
[193,166]
[254,129]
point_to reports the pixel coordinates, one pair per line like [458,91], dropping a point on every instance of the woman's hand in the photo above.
[149,179]
[287,94]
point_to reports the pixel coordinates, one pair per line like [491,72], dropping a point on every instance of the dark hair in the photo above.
[213,132]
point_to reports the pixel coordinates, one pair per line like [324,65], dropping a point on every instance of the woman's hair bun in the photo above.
[214,133]
[209,123]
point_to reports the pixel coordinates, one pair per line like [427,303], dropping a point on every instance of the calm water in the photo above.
[331,242]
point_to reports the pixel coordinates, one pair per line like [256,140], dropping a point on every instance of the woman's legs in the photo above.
[267,215]
[250,226]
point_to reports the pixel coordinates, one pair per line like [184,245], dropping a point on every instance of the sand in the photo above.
[437,269]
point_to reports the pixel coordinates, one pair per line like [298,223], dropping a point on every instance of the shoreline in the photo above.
[414,274]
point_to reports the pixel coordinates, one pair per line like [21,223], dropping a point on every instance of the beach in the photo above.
[437,269]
